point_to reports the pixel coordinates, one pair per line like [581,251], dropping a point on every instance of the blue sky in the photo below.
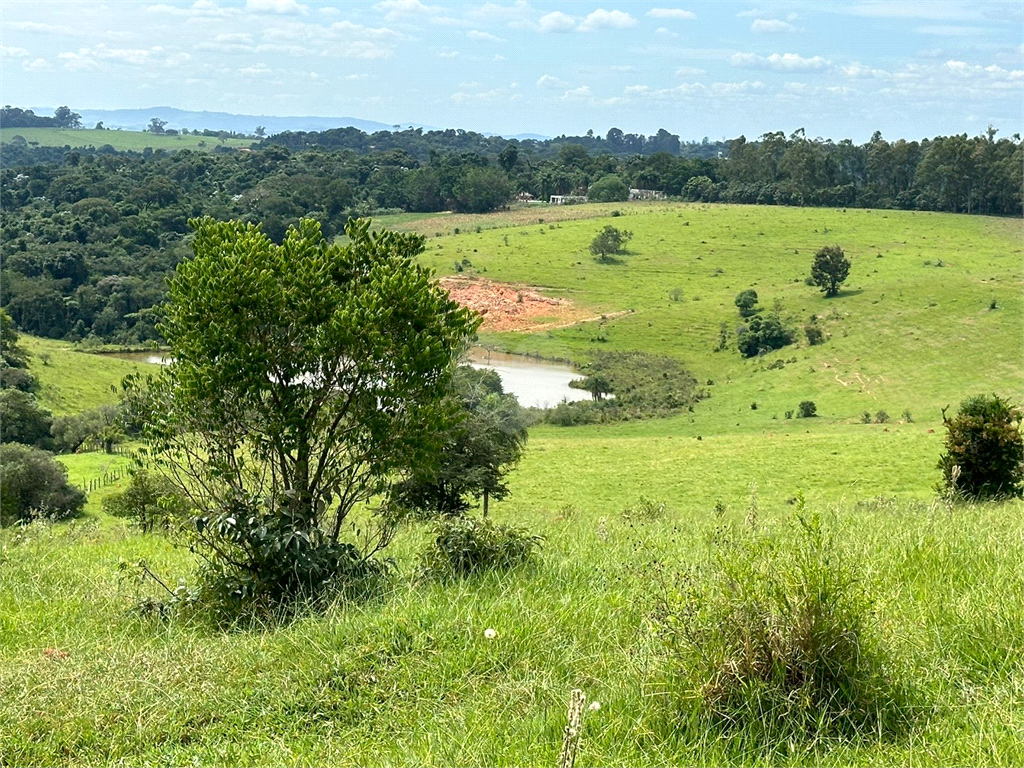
[836,69]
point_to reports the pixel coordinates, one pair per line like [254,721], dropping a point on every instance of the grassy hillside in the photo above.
[410,678]
[911,330]
[72,381]
[121,140]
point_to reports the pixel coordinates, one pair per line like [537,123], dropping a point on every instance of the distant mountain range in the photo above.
[138,120]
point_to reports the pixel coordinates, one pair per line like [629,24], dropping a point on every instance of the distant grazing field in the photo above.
[933,312]
[121,140]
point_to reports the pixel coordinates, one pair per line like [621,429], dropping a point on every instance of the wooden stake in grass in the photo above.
[573,731]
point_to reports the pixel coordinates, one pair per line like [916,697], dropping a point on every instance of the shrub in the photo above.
[815,335]
[865,418]
[763,335]
[773,633]
[464,546]
[150,500]
[984,444]
[645,509]
[33,485]
[807,409]
[881,417]
[746,302]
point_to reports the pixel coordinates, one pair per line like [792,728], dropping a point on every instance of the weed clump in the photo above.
[772,633]
[466,546]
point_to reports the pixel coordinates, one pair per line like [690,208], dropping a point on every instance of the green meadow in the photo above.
[123,141]
[410,677]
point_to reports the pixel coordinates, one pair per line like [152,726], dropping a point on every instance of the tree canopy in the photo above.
[830,269]
[306,377]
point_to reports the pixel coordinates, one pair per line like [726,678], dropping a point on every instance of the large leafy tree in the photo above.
[307,376]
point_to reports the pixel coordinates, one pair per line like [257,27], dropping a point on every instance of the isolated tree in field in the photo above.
[746,302]
[156,125]
[830,269]
[984,455]
[478,451]
[260,132]
[609,241]
[306,378]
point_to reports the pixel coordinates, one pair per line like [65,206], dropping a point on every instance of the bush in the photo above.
[881,417]
[33,485]
[807,409]
[746,302]
[815,335]
[763,335]
[984,449]
[773,633]
[464,546]
[150,500]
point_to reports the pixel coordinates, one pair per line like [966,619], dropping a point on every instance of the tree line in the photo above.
[89,238]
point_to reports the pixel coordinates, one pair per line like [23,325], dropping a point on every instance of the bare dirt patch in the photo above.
[510,307]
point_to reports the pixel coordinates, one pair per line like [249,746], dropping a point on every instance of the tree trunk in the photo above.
[486,498]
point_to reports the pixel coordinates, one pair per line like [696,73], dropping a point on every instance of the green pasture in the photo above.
[911,330]
[72,381]
[123,141]
[410,678]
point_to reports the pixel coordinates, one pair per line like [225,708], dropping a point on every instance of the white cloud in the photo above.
[519,14]
[328,10]
[498,57]
[663,32]
[784,61]
[909,9]
[7,52]
[745,87]
[394,9]
[255,71]
[233,37]
[549,81]
[199,8]
[602,19]
[556,22]
[280,7]
[688,72]
[447,53]
[858,70]
[671,13]
[35,26]
[355,77]
[35,65]
[582,92]
[770,26]
[477,35]
[92,58]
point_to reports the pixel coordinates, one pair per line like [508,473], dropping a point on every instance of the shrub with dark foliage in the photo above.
[464,546]
[33,485]
[984,442]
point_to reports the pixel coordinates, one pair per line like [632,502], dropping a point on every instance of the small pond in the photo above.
[537,383]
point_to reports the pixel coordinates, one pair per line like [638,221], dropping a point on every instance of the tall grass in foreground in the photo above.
[414,677]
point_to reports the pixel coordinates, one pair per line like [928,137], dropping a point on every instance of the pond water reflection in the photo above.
[536,383]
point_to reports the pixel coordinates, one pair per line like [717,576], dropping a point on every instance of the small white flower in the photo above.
[594,706]
[490,634]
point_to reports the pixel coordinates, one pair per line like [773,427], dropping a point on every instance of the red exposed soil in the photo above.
[507,307]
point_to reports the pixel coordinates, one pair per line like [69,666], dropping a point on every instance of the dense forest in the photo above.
[89,235]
